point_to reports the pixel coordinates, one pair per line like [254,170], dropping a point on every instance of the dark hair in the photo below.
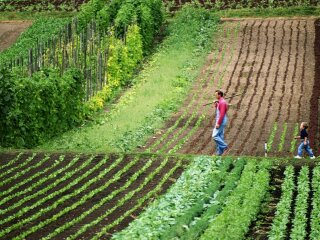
[219,92]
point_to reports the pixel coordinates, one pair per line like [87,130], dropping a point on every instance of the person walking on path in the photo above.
[219,123]
[304,142]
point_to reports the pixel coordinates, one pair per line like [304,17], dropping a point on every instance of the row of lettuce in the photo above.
[220,199]
[40,106]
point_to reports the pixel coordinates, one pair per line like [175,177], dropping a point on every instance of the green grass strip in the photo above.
[270,12]
[279,225]
[315,214]
[299,222]
[24,163]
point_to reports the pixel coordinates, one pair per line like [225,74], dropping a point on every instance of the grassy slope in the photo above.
[158,84]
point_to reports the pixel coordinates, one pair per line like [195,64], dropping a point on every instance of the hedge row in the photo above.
[37,108]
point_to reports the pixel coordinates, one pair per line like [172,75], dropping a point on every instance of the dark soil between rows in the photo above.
[127,158]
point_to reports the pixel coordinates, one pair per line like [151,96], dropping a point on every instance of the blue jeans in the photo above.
[305,147]
[218,136]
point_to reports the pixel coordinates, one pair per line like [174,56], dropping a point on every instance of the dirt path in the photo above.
[273,62]
[10,31]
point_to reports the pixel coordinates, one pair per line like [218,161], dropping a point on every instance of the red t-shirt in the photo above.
[222,106]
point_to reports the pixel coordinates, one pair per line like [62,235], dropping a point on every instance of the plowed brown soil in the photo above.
[274,63]
[10,31]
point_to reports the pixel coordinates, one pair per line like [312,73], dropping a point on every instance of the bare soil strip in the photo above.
[10,31]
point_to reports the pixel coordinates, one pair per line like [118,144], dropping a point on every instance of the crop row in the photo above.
[33,208]
[177,135]
[297,213]
[281,219]
[221,207]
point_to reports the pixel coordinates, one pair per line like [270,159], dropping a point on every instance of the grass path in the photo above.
[160,87]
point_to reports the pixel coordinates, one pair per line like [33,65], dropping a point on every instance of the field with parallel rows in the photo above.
[54,196]
[275,63]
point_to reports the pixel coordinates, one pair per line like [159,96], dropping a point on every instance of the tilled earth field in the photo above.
[10,31]
[275,63]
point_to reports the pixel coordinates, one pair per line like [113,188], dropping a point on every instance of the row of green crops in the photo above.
[205,202]
[228,201]
[237,4]
[305,209]
[39,5]
[51,191]
[285,136]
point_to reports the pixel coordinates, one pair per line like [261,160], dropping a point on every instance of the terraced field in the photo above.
[274,62]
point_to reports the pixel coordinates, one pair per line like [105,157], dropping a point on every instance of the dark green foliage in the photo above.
[148,14]
[39,107]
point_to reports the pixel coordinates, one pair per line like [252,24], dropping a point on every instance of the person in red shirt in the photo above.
[219,123]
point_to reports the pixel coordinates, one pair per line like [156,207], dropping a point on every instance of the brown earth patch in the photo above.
[274,64]
[10,31]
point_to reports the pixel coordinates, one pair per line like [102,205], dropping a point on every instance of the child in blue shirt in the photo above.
[304,142]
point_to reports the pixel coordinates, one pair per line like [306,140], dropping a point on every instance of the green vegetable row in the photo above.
[281,219]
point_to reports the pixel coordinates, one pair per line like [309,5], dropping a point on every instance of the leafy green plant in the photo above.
[271,137]
[243,204]
[194,215]
[315,220]
[299,230]
[283,137]
[181,196]
[281,219]
[294,141]
[41,107]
